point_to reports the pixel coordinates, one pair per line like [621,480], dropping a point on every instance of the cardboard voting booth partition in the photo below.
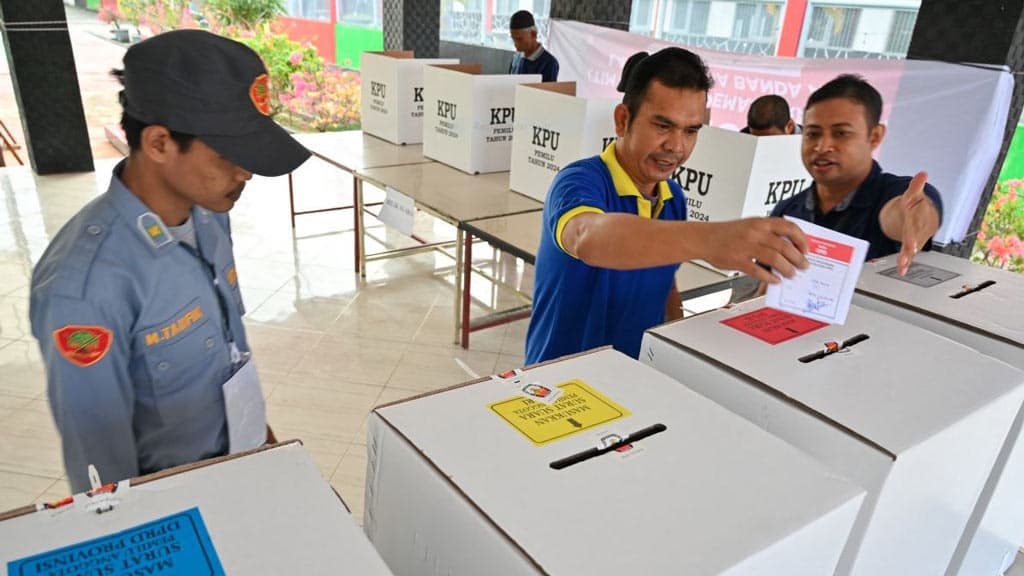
[980,307]
[733,175]
[469,116]
[916,419]
[263,512]
[597,465]
[553,128]
[392,94]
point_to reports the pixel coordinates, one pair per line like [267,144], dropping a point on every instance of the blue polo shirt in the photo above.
[543,63]
[857,214]
[576,306]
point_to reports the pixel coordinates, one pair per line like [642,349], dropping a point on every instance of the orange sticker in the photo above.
[259,93]
[83,345]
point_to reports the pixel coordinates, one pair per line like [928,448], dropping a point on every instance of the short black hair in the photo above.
[133,127]
[674,67]
[769,111]
[852,87]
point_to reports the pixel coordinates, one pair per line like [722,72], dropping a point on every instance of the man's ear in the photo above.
[621,119]
[876,136]
[790,126]
[156,143]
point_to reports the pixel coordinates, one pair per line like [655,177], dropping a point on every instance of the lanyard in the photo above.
[211,272]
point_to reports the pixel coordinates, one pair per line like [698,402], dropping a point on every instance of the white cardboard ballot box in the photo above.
[981,307]
[733,175]
[392,94]
[916,419]
[463,481]
[267,511]
[554,127]
[469,117]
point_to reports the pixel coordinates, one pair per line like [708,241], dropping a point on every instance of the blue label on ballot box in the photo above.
[176,544]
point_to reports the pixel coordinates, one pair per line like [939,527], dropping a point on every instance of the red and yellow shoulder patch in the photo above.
[259,93]
[83,345]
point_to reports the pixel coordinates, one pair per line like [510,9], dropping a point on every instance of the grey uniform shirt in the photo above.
[135,330]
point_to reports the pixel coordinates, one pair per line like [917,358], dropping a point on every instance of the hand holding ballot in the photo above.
[743,244]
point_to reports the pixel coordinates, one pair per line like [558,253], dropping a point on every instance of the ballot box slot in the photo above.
[626,441]
[833,348]
[972,289]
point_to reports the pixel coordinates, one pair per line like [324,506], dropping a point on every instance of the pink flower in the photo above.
[999,248]
[981,234]
[295,58]
[1014,246]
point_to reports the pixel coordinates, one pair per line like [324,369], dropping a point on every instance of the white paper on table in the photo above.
[823,291]
[398,211]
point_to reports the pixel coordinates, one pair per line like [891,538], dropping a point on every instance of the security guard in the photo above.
[136,303]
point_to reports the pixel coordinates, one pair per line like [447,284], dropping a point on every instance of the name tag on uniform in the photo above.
[246,410]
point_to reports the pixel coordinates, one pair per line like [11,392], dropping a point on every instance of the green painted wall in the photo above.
[351,41]
[1013,165]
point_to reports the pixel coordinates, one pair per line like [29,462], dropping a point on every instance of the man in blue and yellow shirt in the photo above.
[135,302]
[614,228]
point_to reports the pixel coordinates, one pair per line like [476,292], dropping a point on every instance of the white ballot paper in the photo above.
[823,291]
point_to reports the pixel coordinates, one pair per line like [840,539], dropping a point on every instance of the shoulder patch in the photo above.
[83,345]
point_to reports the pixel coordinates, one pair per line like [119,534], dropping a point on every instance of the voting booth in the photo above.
[981,307]
[732,175]
[469,116]
[262,512]
[598,465]
[555,127]
[916,419]
[392,94]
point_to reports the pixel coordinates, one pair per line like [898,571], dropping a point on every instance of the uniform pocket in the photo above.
[187,361]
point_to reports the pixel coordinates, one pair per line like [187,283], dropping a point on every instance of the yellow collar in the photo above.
[624,185]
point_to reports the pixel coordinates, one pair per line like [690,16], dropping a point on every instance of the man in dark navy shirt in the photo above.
[850,193]
[531,57]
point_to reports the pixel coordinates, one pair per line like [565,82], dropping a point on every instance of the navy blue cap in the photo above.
[212,87]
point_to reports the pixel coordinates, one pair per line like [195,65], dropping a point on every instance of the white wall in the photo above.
[872,31]
[721,18]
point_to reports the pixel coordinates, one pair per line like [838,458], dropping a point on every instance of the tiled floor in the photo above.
[328,345]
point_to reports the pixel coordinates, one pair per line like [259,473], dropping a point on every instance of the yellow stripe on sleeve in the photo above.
[569,215]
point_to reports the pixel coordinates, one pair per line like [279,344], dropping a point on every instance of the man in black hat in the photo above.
[531,57]
[135,302]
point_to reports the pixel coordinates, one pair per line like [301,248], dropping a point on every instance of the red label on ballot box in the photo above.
[773,326]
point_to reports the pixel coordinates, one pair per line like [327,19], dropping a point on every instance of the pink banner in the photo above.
[945,118]
[593,57]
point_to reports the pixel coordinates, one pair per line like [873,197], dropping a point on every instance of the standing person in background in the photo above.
[769,116]
[530,57]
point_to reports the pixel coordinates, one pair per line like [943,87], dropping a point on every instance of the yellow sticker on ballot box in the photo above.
[579,408]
